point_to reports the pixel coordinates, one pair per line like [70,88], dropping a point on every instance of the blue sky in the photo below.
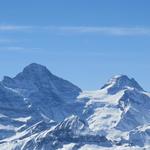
[85,41]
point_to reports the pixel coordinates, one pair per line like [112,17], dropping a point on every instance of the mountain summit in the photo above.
[36,77]
[121,82]
[34,70]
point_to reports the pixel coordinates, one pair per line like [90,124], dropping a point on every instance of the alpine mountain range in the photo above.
[40,111]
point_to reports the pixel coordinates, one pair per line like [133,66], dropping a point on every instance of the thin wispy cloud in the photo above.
[6,40]
[114,31]
[18,49]
[117,31]
[15,28]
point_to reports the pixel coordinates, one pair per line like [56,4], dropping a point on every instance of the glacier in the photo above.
[40,111]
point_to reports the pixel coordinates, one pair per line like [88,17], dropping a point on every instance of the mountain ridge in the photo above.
[42,111]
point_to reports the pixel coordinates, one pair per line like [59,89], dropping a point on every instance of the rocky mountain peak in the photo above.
[121,82]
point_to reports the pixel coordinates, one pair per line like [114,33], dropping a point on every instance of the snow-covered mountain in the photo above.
[40,111]
[45,95]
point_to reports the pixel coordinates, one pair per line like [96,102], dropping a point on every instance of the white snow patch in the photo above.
[22,119]
[95,147]
[44,116]
[67,147]
[3,116]
[8,127]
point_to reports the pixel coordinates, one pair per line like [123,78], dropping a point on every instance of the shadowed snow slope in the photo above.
[41,111]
